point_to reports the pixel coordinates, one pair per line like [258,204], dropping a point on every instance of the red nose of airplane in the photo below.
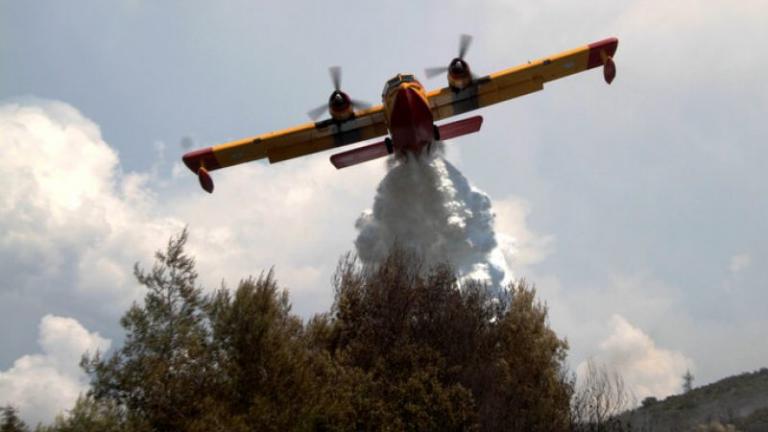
[411,121]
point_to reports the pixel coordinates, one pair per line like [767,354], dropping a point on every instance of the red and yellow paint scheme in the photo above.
[407,114]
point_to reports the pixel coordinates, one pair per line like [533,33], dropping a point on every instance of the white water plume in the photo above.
[426,205]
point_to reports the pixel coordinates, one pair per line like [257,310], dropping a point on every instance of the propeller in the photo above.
[464,41]
[335,72]
[339,101]
[458,64]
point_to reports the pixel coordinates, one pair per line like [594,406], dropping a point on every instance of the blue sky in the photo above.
[639,209]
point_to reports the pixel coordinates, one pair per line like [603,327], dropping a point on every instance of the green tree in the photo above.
[687,381]
[266,377]
[531,383]
[10,421]
[714,426]
[90,415]
[404,347]
[164,368]
[386,331]
[649,401]
[437,356]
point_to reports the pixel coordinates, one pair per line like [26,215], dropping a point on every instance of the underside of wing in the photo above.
[521,80]
[286,144]
[290,143]
[329,134]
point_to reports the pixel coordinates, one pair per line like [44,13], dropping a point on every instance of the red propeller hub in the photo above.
[458,68]
[339,101]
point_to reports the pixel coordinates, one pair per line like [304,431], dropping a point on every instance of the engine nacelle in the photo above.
[340,106]
[459,74]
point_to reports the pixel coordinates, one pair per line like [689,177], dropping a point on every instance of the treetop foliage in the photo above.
[10,421]
[404,347]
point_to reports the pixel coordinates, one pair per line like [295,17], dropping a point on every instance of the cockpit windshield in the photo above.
[396,81]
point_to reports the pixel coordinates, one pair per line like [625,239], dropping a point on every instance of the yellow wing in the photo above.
[291,143]
[521,80]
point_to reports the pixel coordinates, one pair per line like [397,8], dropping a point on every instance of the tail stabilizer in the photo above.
[361,154]
[459,128]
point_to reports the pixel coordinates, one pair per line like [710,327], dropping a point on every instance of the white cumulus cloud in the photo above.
[43,385]
[67,212]
[740,263]
[522,246]
[72,222]
[647,369]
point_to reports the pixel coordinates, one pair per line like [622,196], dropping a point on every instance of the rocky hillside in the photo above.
[740,400]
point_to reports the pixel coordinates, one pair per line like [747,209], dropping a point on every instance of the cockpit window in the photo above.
[396,81]
[390,84]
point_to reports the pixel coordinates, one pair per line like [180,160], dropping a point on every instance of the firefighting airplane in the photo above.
[407,114]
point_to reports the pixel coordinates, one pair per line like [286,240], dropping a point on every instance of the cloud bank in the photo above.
[72,224]
[69,215]
[43,385]
[646,369]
